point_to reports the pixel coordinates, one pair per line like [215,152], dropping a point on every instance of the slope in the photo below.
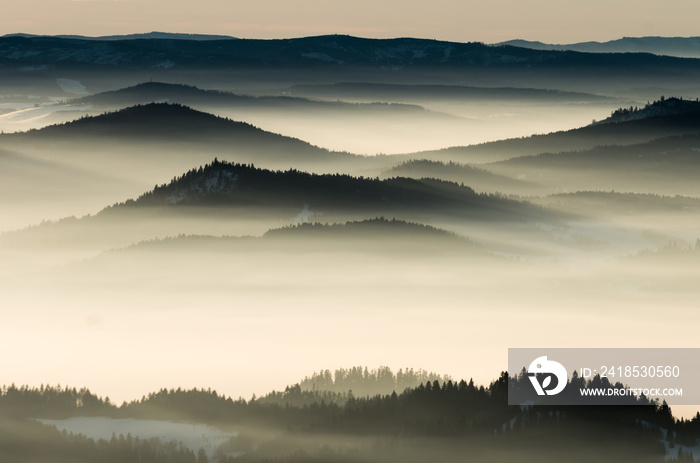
[683,47]
[664,166]
[480,179]
[648,126]
[162,131]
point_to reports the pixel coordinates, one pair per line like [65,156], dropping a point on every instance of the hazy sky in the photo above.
[557,21]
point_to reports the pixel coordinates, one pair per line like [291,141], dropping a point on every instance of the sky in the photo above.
[490,21]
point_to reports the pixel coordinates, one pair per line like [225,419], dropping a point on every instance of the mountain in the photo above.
[330,50]
[223,184]
[388,233]
[229,199]
[660,120]
[330,123]
[378,236]
[409,92]
[665,166]
[189,95]
[662,108]
[78,167]
[153,120]
[477,178]
[610,204]
[51,66]
[305,252]
[683,47]
[181,134]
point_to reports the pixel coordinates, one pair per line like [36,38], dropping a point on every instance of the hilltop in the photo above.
[190,95]
[172,132]
[684,47]
[152,120]
[236,185]
[624,127]
[664,107]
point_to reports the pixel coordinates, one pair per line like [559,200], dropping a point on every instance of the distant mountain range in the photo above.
[683,47]
[329,50]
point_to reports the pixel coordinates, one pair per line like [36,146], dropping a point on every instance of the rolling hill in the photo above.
[188,95]
[665,166]
[684,47]
[665,107]
[158,130]
[480,179]
[623,205]
[236,200]
[377,237]
[411,92]
[223,184]
[78,167]
[658,120]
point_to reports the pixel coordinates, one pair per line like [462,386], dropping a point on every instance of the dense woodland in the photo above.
[319,425]
[662,107]
[225,184]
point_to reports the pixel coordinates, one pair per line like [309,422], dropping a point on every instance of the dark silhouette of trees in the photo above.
[458,414]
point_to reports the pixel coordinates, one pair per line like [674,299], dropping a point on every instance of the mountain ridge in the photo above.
[188,95]
[325,50]
[169,122]
[664,107]
[610,131]
[682,47]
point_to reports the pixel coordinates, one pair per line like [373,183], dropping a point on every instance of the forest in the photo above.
[317,424]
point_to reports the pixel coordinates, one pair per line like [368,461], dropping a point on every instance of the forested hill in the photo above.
[688,47]
[162,137]
[448,420]
[328,50]
[363,382]
[189,95]
[363,230]
[227,185]
[163,121]
[624,127]
[663,107]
